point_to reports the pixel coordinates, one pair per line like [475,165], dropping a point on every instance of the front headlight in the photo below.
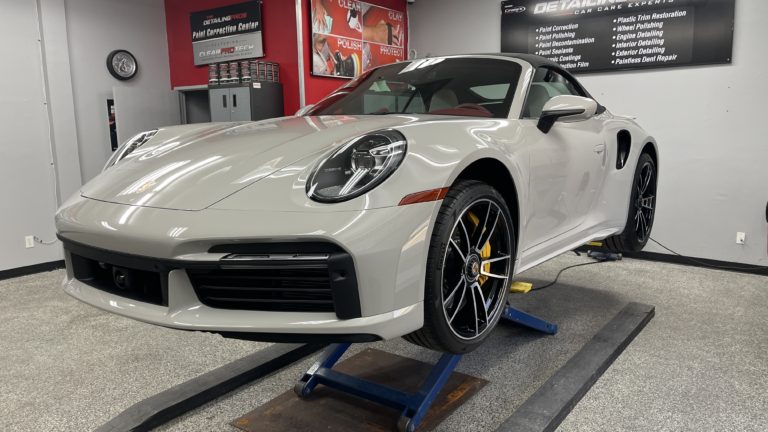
[357,167]
[129,146]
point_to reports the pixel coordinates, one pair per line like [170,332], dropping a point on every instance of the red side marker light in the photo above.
[424,196]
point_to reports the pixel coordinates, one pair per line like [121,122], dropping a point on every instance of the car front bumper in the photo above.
[388,247]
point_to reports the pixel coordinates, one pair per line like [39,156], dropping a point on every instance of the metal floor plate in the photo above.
[327,409]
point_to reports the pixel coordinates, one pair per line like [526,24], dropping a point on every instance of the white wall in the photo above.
[708,122]
[53,95]
[61,105]
[27,188]
[97,27]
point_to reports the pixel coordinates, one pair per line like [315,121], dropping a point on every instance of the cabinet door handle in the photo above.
[234,101]
[224,100]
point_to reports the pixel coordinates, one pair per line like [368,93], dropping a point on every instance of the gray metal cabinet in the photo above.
[255,101]
[241,104]
[219,101]
[230,104]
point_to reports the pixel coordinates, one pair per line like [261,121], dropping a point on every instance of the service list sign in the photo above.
[227,33]
[603,35]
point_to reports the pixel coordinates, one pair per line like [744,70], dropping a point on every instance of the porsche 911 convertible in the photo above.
[403,204]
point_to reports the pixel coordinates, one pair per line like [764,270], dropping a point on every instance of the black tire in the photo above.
[468,267]
[642,207]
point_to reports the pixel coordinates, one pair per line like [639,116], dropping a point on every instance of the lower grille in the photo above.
[291,277]
[294,289]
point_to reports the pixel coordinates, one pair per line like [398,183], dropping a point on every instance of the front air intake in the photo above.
[266,284]
[280,277]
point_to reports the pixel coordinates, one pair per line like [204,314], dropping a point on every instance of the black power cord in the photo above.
[701,263]
[561,272]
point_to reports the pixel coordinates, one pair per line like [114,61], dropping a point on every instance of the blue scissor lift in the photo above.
[414,406]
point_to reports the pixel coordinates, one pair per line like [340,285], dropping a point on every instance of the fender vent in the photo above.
[624,145]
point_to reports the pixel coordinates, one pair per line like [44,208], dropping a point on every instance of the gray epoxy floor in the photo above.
[701,364]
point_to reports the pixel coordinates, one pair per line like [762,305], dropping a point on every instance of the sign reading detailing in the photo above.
[602,35]
[227,33]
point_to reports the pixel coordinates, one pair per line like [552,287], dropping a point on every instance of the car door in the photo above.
[566,164]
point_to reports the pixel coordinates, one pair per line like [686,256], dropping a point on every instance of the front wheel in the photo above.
[471,258]
[642,209]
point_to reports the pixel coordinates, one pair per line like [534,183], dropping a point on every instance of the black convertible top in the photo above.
[534,60]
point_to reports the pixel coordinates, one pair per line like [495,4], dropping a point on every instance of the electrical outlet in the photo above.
[29,241]
[741,238]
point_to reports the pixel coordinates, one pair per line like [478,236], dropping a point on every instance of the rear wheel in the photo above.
[470,261]
[642,209]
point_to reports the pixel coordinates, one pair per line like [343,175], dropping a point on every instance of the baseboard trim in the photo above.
[31,269]
[700,262]
[691,261]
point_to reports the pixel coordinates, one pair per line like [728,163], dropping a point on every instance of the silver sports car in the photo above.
[401,205]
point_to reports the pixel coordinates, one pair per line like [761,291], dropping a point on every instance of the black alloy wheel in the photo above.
[642,209]
[471,259]
[645,202]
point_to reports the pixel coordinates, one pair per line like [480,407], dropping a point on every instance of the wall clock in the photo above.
[122,64]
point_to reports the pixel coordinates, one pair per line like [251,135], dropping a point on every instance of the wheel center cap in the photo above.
[473,267]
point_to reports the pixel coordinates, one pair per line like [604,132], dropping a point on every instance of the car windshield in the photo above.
[476,87]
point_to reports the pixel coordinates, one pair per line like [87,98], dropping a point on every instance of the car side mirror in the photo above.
[567,108]
[304,110]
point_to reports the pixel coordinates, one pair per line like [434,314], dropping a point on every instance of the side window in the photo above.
[491,92]
[547,83]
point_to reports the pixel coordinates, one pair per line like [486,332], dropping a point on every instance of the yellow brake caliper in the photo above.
[485,252]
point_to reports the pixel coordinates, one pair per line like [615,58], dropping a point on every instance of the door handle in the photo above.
[224,100]
[234,101]
[599,149]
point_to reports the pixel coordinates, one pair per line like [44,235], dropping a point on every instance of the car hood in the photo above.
[193,167]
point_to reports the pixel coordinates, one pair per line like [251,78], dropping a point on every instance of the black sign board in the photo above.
[227,33]
[603,35]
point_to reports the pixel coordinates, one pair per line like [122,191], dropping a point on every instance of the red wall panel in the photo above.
[280,45]
[279,34]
